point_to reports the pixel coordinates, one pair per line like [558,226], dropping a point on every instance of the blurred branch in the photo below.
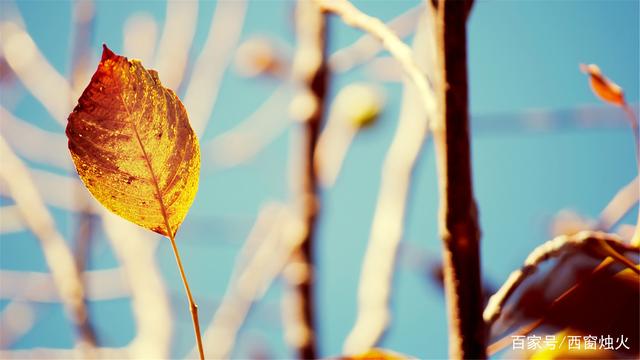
[458,212]
[35,72]
[101,285]
[83,22]
[45,147]
[588,240]
[16,319]
[253,134]
[274,237]
[367,46]
[202,90]
[10,219]
[550,120]
[63,354]
[633,119]
[175,42]
[620,205]
[58,191]
[149,301]
[384,69]
[308,107]
[56,251]
[376,279]
[140,37]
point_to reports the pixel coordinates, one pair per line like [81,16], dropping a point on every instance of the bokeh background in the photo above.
[542,144]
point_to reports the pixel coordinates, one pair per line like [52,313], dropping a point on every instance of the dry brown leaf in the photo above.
[604,88]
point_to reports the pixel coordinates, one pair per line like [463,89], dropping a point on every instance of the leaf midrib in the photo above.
[154,179]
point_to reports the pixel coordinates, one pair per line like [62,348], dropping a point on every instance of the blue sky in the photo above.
[523,55]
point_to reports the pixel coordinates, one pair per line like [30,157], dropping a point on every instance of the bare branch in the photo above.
[367,46]
[398,49]
[308,106]
[56,251]
[376,279]
[458,212]
[620,205]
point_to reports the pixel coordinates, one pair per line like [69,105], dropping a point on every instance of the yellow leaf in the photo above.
[133,147]
[604,88]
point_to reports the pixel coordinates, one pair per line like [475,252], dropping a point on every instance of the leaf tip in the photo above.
[107,53]
[590,69]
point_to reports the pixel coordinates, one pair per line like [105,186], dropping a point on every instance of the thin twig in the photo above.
[376,279]
[544,252]
[619,205]
[633,120]
[458,213]
[310,72]
[398,49]
[56,251]
[366,47]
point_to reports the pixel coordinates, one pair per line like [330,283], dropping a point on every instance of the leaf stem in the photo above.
[633,120]
[193,307]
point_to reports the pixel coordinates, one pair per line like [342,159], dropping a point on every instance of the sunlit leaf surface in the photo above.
[133,147]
